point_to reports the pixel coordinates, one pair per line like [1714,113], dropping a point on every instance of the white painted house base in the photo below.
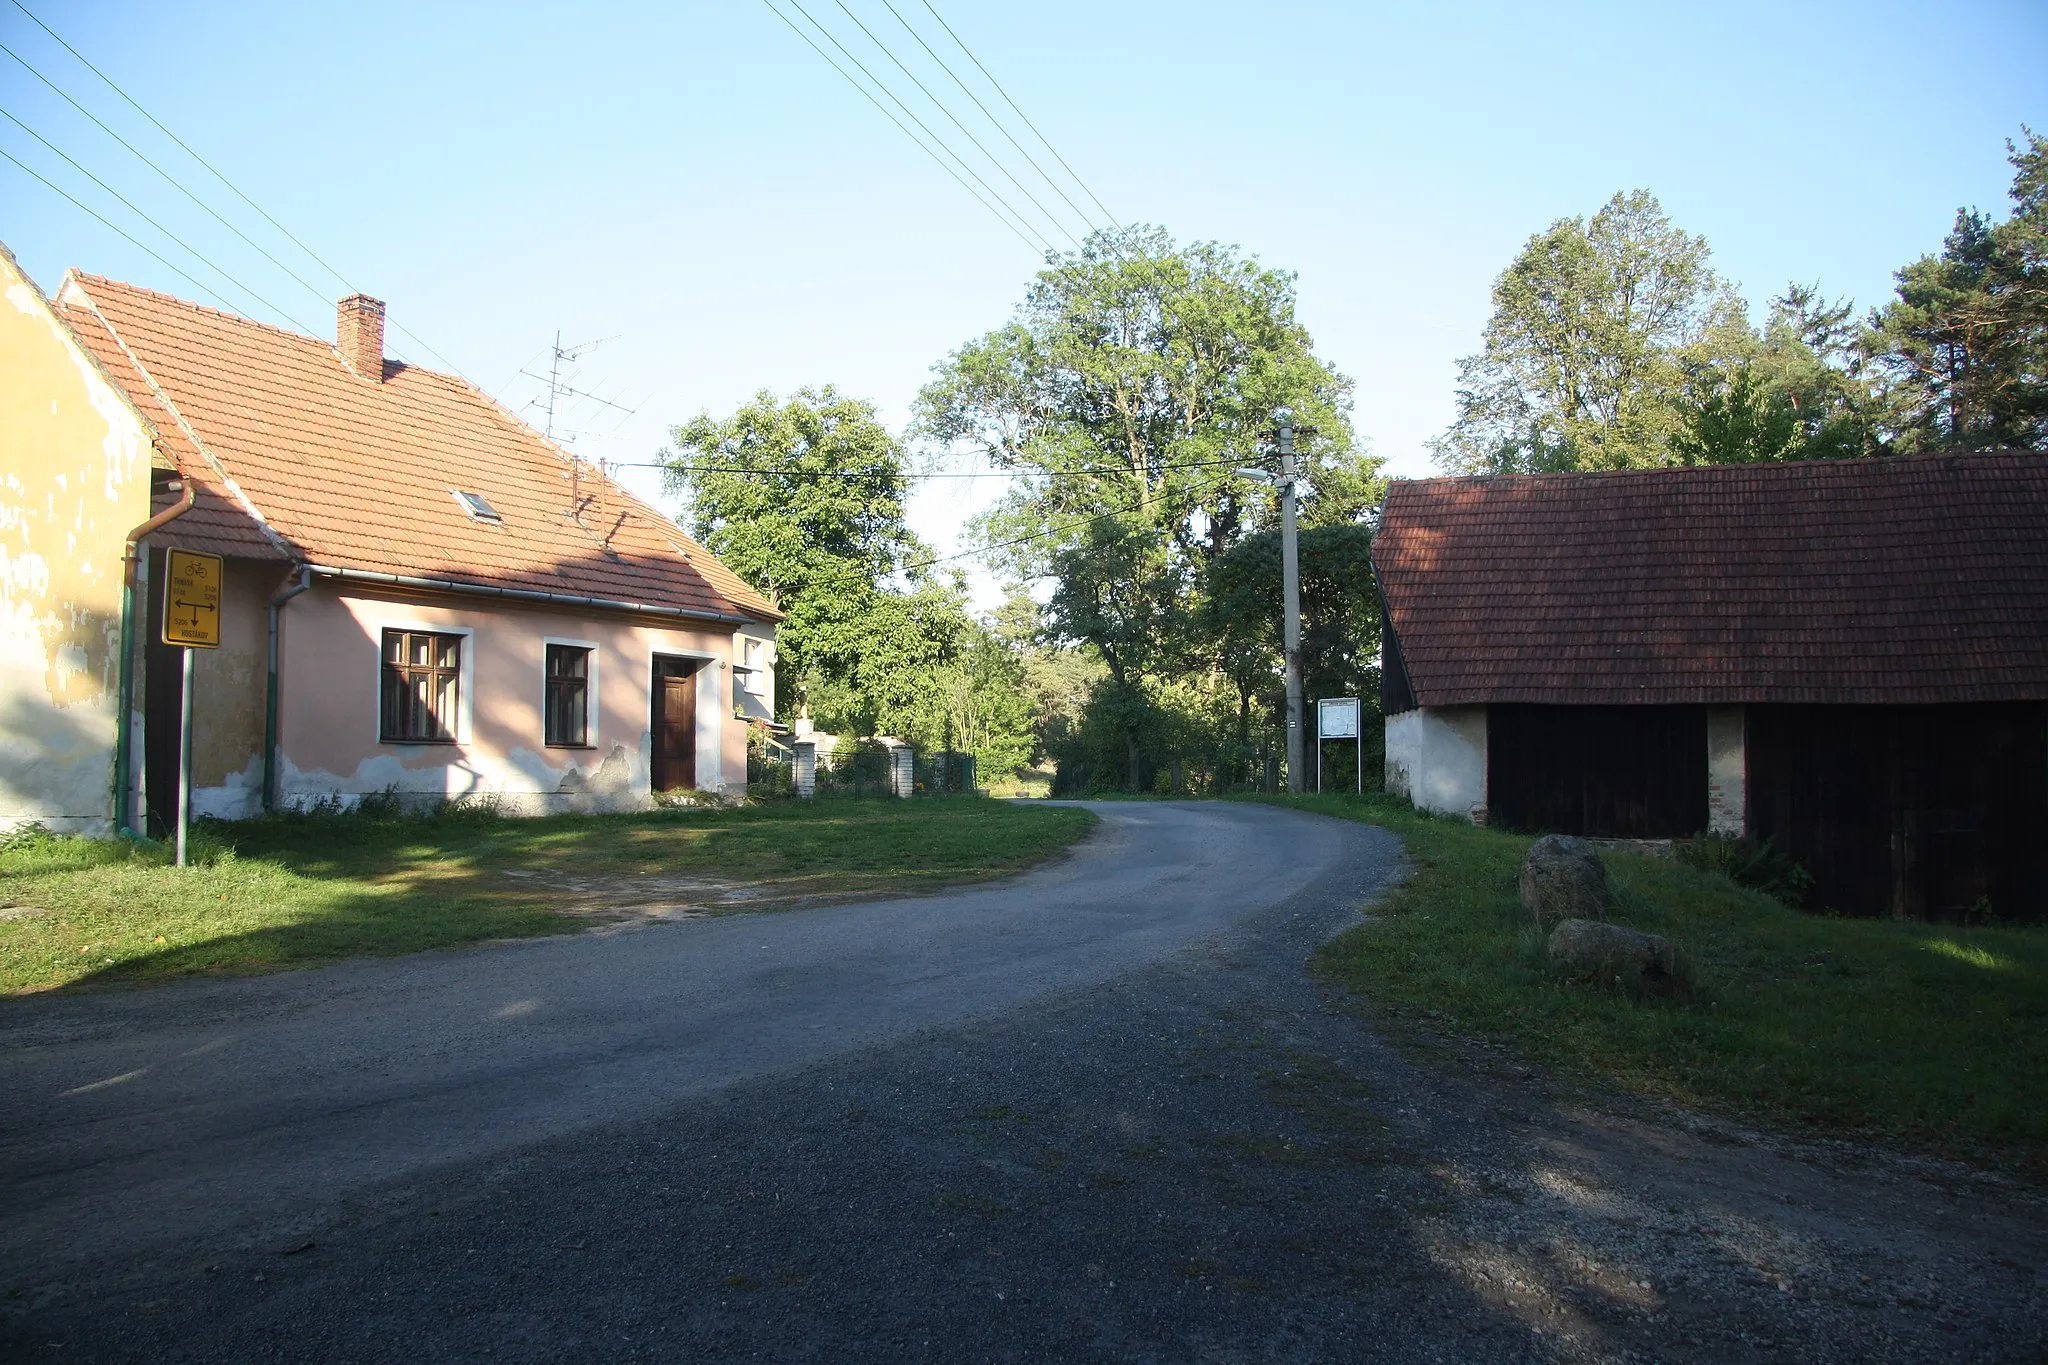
[1436,757]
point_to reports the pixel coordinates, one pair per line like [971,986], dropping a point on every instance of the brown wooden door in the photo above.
[675,730]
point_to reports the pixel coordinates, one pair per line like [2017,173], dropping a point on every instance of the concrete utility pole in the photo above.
[1290,578]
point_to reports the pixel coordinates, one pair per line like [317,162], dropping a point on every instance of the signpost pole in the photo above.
[1359,745]
[185,757]
[1319,748]
[192,584]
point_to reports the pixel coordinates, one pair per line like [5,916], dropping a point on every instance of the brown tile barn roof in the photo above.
[1899,580]
[298,458]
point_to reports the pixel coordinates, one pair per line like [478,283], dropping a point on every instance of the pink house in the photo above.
[421,593]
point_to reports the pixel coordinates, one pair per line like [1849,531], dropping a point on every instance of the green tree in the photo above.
[804,498]
[1798,391]
[1135,377]
[1581,363]
[985,705]
[1964,345]
[1058,678]
[1340,627]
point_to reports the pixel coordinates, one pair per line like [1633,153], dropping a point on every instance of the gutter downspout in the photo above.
[124,726]
[292,587]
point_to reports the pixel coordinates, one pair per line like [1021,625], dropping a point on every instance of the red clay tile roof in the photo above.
[297,458]
[1902,580]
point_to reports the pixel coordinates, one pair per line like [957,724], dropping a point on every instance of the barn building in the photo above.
[1848,658]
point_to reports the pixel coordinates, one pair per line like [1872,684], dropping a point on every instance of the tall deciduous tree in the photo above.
[1964,346]
[804,497]
[1580,368]
[1136,375]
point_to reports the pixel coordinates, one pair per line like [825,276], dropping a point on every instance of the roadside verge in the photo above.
[1929,1037]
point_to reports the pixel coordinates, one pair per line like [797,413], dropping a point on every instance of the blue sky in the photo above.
[694,182]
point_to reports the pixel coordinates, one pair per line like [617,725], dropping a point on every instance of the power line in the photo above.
[1049,216]
[109,81]
[217,175]
[1013,105]
[1079,212]
[1234,460]
[1040,245]
[181,242]
[1042,535]
[110,226]
[168,177]
[1000,217]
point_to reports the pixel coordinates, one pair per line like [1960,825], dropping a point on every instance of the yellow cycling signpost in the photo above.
[191,621]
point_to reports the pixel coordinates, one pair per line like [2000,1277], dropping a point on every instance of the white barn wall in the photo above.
[1436,757]
[1727,771]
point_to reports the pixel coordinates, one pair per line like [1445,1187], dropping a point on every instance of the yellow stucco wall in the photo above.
[74,479]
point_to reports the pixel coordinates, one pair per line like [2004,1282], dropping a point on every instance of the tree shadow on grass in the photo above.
[299,891]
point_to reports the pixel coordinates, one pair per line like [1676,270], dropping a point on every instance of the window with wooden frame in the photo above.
[422,687]
[566,720]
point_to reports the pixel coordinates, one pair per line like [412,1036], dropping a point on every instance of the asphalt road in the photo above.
[1098,1113]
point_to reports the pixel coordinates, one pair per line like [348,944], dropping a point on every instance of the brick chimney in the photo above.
[359,335]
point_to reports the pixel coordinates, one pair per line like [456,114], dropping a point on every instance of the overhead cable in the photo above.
[800,474]
[1074,525]
[216,174]
[1013,105]
[965,132]
[56,189]
[187,247]
[1057,188]
[172,180]
[1040,245]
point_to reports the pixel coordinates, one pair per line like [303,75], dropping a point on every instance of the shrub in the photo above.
[26,838]
[1753,863]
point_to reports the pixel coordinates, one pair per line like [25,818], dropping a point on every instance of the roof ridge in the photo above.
[228,315]
[223,313]
[1766,467]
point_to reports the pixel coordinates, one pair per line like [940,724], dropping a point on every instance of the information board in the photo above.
[192,599]
[1337,718]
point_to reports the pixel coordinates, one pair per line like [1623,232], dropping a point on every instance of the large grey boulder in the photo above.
[1596,953]
[1562,879]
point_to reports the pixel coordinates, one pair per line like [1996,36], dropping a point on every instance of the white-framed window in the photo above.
[754,660]
[568,693]
[415,675]
[420,700]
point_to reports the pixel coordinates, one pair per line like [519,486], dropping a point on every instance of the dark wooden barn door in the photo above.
[1923,812]
[1619,772]
[675,724]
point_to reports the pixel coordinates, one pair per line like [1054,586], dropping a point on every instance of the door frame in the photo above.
[710,719]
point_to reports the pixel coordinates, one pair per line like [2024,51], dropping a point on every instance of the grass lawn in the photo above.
[292,891]
[1926,1036]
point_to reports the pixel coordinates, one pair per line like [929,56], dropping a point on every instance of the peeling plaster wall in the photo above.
[328,713]
[1436,757]
[74,480]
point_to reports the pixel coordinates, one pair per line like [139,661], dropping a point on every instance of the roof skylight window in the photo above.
[474,504]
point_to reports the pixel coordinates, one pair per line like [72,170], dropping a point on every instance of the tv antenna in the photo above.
[558,389]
